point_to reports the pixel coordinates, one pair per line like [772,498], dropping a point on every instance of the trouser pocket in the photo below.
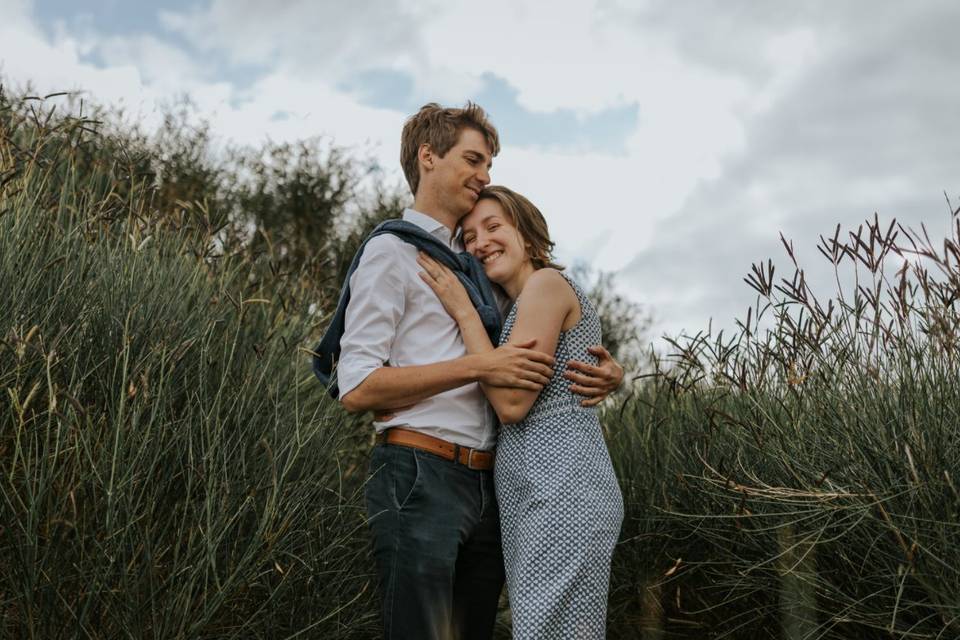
[406,475]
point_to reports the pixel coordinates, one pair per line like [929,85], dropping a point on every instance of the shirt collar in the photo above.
[434,227]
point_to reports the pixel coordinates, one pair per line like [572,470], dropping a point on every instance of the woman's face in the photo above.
[489,235]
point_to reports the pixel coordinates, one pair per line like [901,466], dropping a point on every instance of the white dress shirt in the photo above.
[394,318]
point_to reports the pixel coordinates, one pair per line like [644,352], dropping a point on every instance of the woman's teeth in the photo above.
[493,256]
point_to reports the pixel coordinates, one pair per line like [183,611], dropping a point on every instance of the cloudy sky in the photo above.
[670,141]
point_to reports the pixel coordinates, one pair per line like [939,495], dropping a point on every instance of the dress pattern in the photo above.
[560,504]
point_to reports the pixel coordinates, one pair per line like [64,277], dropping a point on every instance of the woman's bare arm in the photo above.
[546,302]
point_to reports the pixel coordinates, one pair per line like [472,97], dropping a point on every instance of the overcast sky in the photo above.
[667,140]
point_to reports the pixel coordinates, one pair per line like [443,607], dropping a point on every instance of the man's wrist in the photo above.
[476,366]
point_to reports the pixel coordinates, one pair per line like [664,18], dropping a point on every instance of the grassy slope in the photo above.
[169,469]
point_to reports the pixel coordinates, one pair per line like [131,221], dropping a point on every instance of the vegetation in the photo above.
[796,479]
[169,468]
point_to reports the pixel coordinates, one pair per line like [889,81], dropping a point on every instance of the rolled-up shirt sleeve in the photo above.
[376,307]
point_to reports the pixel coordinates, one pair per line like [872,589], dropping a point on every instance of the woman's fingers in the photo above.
[436,270]
[428,264]
[433,279]
[430,280]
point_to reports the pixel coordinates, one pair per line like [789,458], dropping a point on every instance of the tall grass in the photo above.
[797,479]
[168,468]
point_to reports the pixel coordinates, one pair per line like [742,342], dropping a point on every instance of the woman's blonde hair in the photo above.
[529,222]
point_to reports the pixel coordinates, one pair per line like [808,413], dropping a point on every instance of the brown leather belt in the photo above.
[470,458]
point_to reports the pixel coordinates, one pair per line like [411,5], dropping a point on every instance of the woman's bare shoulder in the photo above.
[550,284]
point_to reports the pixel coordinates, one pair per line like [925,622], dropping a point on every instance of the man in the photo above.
[433,514]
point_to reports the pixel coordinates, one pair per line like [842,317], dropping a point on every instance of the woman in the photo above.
[560,505]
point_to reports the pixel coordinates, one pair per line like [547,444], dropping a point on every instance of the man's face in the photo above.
[463,172]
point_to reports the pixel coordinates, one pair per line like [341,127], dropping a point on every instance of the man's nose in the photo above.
[484,176]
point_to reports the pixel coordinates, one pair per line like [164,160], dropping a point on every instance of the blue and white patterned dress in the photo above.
[560,504]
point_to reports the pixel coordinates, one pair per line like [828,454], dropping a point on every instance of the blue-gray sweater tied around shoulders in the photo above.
[468,269]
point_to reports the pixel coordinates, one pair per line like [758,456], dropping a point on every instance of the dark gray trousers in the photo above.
[436,538]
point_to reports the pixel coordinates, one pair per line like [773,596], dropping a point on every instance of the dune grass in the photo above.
[170,469]
[797,479]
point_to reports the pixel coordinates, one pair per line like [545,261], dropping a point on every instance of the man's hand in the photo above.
[517,365]
[594,382]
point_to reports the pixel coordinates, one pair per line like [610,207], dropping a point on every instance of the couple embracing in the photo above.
[482,362]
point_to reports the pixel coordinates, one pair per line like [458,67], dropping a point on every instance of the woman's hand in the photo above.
[594,382]
[447,286]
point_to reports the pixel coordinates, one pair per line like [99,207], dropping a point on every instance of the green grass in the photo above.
[170,469]
[798,479]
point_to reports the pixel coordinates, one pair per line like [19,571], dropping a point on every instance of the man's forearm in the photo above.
[391,387]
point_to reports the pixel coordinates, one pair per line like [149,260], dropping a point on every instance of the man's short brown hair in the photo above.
[440,127]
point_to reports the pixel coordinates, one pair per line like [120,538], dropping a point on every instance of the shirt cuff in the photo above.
[351,372]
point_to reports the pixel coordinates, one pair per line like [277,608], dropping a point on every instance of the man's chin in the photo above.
[466,205]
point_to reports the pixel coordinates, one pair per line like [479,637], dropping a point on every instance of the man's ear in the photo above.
[425,155]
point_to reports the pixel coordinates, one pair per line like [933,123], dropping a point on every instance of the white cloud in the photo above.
[309,108]
[55,65]
[144,73]
[162,66]
[15,11]
[550,55]
[302,36]
[865,127]
[752,117]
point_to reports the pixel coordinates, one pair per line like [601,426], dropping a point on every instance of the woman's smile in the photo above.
[490,258]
